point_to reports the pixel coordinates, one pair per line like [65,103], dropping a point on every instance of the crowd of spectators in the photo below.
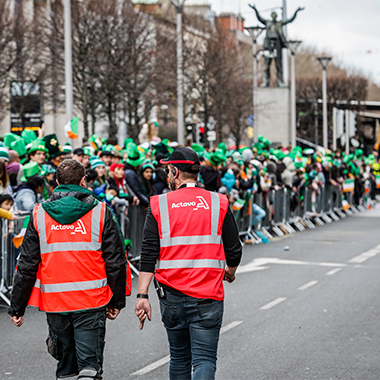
[131,174]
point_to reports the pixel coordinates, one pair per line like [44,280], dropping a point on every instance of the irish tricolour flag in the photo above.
[18,239]
[71,128]
[377,178]
[348,185]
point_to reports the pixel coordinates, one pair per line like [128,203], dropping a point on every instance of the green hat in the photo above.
[4,153]
[87,151]
[67,148]
[52,144]
[127,141]
[359,153]
[30,169]
[95,141]
[108,148]
[28,136]
[38,145]
[135,157]
[216,158]
[222,147]
[48,169]
[96,162]
[198,148]
[148,165]
[15,142]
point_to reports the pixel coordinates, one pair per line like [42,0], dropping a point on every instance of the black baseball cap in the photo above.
[78,152]
[107,153]
[183,158]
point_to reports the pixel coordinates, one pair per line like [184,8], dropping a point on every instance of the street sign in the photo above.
[211,135]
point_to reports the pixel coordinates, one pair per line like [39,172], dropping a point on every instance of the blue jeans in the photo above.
[259,214]
[79,340]
[193,327]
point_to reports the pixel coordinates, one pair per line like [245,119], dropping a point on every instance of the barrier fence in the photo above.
[285,213]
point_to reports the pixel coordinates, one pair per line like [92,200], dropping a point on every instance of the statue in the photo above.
[274,41]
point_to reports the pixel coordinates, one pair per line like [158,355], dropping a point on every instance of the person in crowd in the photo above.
[37,152]
[5,186]
[146,179]
[106,156]
[78,154]
[91,176]
[161,179]
[6,203]
[132,163]
[100,168]
[209,172]
[117,179]
[14,169]
[194,294]
[76,316]
[26,194]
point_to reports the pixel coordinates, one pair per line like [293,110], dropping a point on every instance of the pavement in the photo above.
[312,312]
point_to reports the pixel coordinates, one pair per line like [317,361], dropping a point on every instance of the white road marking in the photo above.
[308,285]
[153,366]
[166,359]
[273,303]
[365,255]
[261,263]
[333,271]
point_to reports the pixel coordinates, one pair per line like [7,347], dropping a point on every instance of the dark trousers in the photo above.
[78,340]
[193,327]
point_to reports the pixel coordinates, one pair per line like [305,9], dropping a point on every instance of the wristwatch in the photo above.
[142,296]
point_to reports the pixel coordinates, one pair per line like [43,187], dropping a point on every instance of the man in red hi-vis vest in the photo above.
[191,243]
[73,267]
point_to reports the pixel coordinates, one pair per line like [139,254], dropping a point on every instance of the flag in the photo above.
[345,205]
[348,185]
[71,128]
[18,239]
[238,205]
[377,178]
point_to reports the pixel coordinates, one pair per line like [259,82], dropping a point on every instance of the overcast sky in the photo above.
[349,30]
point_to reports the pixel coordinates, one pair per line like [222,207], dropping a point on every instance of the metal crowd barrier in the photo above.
[287,211]
[9,254]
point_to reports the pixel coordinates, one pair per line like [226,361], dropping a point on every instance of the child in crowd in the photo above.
[6,204]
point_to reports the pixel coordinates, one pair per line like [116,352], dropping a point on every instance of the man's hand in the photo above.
[112,313]
[229,274]
[143,310]
[17,321]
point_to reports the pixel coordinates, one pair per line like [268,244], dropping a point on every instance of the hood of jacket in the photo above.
[69,203]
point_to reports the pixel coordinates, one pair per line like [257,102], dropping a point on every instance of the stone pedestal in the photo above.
[273,114]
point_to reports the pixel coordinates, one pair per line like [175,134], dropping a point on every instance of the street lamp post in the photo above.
[324,61]
[68,62]
[293,45]
[255,32]
[180,124]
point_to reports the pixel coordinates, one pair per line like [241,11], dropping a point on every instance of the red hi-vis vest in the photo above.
[191,256]
[72,274]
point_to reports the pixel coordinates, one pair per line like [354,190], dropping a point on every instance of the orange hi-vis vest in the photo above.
[72,274]
[191,256]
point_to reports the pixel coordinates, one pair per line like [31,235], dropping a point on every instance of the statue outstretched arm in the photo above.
[291,19]
[262,20]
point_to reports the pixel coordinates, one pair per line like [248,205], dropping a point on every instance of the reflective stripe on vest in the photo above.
[73,286]
[175,264]
[167,241]
[94,245]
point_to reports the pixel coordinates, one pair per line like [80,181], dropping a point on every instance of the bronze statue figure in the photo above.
[274,41]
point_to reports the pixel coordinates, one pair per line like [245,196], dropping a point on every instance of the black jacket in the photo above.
[113,255]
[132,179]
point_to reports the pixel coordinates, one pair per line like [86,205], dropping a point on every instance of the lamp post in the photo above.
[68,62]
[293,45]
[255,32]
[178,4]
[324,61]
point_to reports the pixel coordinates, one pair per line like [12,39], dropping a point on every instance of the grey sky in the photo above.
[346,29]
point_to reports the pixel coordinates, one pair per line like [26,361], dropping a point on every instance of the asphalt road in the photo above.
[312,312]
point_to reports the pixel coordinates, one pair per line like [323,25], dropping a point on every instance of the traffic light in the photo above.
[201,134]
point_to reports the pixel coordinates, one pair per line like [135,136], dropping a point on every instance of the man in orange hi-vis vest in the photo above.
[191,243]
[73,267]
